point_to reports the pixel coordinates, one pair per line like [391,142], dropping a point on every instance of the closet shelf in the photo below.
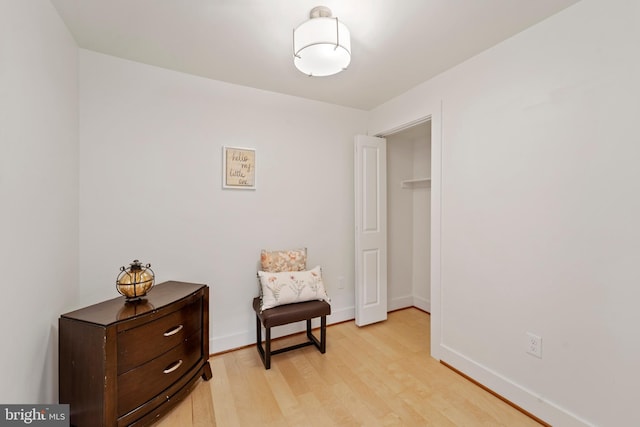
[410,183]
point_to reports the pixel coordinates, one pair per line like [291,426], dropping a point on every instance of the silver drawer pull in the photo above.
[173,367]
[173,331]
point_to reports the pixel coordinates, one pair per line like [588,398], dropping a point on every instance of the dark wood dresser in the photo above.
[125,363]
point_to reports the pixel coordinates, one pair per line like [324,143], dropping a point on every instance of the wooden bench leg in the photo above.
[323,334]
[322,344]
[265,353]
[267,344]
[309,334]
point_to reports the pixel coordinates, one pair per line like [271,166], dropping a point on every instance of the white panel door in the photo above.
[371,229]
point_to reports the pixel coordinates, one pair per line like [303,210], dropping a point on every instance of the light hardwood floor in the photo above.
[378,375]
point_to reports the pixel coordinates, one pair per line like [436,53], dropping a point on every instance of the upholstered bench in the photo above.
[288,294]
[290,313]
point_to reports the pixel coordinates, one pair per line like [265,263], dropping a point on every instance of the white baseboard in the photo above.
[245,338]
[423,304]
[399,303]
[342,315]
[515,393]
[231,342]
[407,301]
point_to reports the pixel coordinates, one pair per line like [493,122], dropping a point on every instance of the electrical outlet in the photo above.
[341,282]
[534,345]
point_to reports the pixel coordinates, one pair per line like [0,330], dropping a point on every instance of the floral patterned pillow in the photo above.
[276,261]
[291,286]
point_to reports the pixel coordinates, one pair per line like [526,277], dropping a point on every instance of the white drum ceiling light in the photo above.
[321,45]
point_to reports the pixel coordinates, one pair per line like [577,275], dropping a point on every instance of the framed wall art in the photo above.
[239,168]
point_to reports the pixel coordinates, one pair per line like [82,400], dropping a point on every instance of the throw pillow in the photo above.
[287,260]
[291,286]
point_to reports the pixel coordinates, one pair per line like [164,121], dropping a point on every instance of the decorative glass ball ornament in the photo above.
[134,282]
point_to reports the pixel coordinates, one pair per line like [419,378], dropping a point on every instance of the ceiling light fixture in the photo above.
[321,45]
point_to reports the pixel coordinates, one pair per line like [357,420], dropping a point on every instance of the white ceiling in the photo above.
[396,44]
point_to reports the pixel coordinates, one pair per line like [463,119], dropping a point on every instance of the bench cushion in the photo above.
[289,313]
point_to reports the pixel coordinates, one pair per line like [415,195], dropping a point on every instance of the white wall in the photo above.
[38,195]
[150,186]
[539,213]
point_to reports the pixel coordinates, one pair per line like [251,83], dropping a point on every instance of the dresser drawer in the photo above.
[139,385]
[140,344]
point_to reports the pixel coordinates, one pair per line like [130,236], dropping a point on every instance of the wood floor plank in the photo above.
[225,409]
[202,405]
[285,398]
[179,416]
[379,375]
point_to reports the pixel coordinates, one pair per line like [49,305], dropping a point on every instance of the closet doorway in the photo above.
[409,217]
